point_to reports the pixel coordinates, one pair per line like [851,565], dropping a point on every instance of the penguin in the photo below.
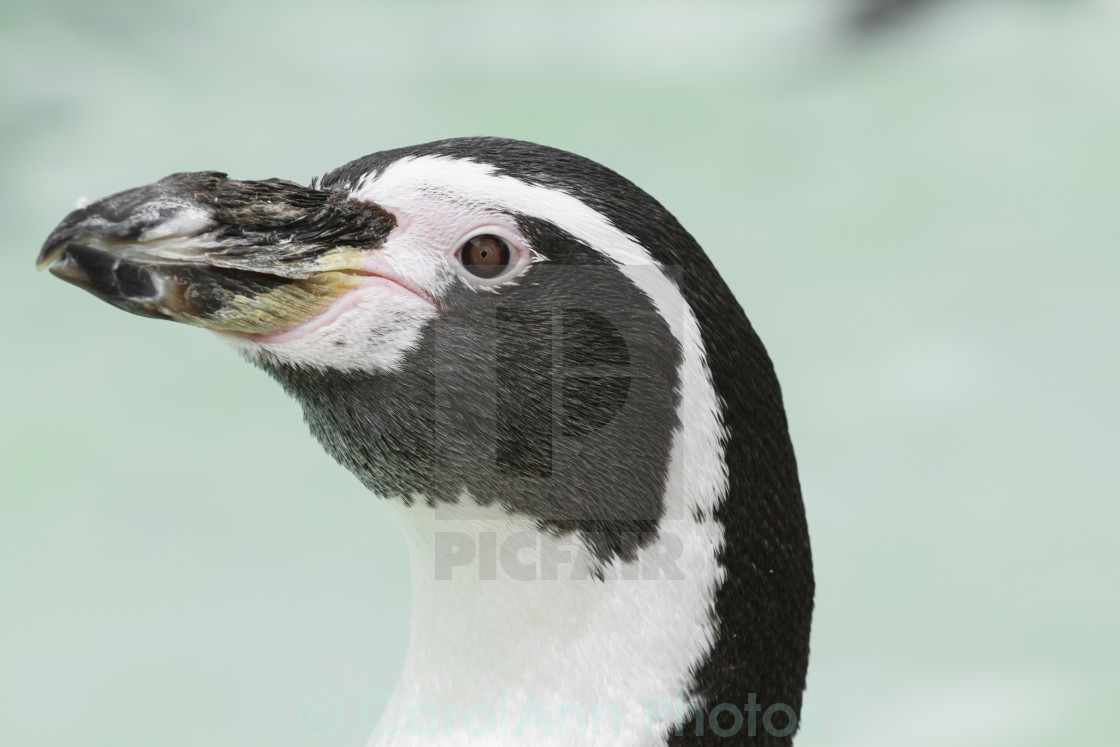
[558,398]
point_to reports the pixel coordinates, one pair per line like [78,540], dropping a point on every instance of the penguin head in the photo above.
[466,320]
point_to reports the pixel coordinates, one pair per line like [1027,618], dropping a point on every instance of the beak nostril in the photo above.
[98,266]
[135,282]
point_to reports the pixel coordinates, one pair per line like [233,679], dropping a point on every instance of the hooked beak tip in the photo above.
[49,254]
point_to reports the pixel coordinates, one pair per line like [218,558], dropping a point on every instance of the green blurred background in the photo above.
[918,217]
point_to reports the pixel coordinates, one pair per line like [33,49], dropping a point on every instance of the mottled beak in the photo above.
[253,257]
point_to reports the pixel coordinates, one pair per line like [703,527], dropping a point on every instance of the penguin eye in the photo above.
[486,256]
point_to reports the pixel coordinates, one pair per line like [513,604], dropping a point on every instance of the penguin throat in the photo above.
[522,637]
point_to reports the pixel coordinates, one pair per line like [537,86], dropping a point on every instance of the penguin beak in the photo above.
[254,257]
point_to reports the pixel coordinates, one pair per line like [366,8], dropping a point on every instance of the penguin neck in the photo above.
[522,637]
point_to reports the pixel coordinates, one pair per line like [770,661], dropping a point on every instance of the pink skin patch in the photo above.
[377,276]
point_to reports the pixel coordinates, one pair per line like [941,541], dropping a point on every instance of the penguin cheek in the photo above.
[371,327]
